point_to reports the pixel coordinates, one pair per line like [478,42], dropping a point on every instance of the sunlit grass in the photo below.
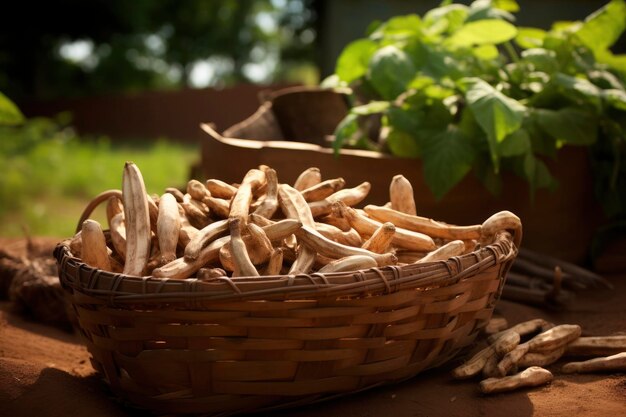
[45,189]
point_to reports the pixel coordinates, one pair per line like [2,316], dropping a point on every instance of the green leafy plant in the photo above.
[10,115]
[464,89]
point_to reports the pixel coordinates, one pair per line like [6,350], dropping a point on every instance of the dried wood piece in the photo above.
[538,297]
[569,269]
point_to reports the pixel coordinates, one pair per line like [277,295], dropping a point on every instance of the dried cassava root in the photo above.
[504,356]
[264,227]
[531,377]
[137,217]
[615,362]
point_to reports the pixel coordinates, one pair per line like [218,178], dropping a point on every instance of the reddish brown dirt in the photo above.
[46,372]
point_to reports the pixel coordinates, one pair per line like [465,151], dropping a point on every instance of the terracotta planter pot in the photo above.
[560,223]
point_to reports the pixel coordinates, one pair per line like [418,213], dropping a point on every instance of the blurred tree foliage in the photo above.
[143,44]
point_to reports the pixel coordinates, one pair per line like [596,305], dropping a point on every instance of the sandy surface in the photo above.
[45,371]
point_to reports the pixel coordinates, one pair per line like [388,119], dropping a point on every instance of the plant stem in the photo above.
[511,51]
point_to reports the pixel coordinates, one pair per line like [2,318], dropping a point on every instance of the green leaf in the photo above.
[506,5]
[616,98]
[447,158]
[404,118]
[420,82]
[568,125]
[497,114]
[391,70]
[537,173]
[345,131]
[605,79]
[482,32]
[604,27]
[530,37]
[437,62]
[373,26]
[398,28]
[10,115]
[579,89]
[484,171]
[617,62]
[541,59]
[517,143]
[438,92]
[484,9]
[332,81]
[373,107]
[403,144]
[561,26]
[486,52]
[452,15]
[354,60]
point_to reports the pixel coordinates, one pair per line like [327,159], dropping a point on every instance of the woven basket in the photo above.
[250,344]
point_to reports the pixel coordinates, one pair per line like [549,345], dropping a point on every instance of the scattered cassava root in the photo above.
[615,362]
[263,227]
[508,364]
[530,377]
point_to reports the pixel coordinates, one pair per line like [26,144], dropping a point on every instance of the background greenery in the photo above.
[67,48]
[49,174]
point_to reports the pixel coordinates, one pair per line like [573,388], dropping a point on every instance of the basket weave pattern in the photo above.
[242,344]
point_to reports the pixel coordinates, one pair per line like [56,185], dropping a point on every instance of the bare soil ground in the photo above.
[45,371]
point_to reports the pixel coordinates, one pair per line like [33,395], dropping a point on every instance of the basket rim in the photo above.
[117,288]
